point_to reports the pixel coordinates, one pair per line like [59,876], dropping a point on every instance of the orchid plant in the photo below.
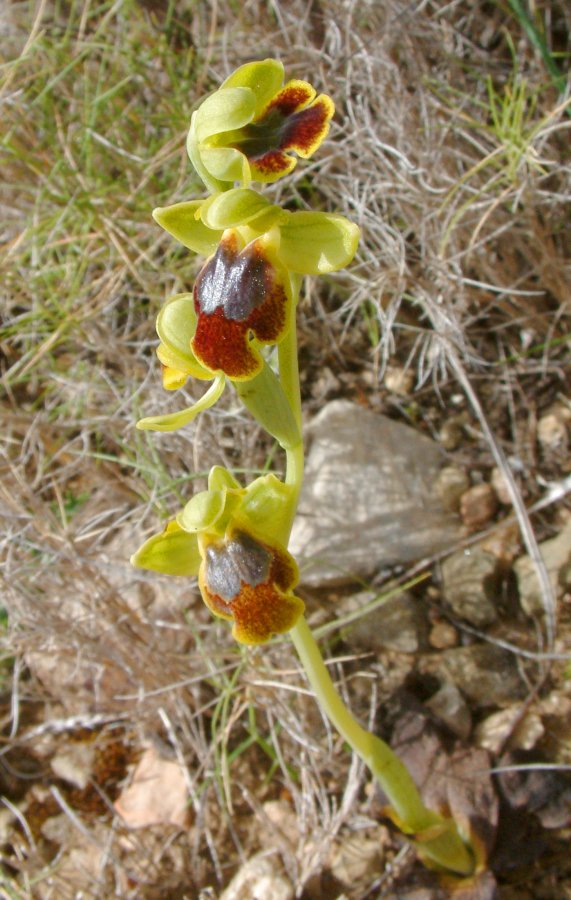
[234,538]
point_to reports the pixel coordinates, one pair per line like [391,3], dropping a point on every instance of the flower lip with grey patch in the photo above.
[240,560]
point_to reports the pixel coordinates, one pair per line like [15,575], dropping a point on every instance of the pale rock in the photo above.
[7,819]
[452,434]
[502,729]
[450,484]
[259,879]
[499,484]
[157,794]
[486,674]
[368,499]
[503,542]
[355,858]
[80,867]
[478,505]
[443,636]
[398,380]
[57,829]
[557,704]
[448,705]
[470,584]
[397,624]
[74,763]
[552,432]
[556,554]
[284,819]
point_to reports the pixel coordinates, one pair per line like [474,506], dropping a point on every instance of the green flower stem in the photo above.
[435,837]
[289,377]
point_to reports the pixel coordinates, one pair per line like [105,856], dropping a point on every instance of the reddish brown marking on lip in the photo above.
[237,294]
[293,96]
[273,162]
[305,130]
[258,609]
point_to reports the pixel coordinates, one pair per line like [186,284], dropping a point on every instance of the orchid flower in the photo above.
[234,540]
[244,297]
[247,129]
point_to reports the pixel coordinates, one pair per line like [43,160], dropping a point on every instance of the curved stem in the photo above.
[437,838]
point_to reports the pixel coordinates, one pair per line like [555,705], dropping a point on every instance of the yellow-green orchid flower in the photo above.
[244,297]
[233,539]
[247,129]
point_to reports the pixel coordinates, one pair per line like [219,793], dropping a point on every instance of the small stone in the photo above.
[399,381]
[552,432]
[448,705]
[470,583]
[356,858]
[157,794]
[259,879]
[545,792]
[284,820]
[74,764]
[478,505]
[7,817]
[502,731]
[450,484]
[368,497]
[397,624]
[326,384]
[451,434]
[504,543]
[485,673]
[443,636]
[499,485]
[557,557]
[56,829]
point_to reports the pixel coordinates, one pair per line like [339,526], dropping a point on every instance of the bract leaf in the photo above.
[181,221]
[173,552]
[264,78]
[264,396]
[314,243]
[225,110]
[172,421]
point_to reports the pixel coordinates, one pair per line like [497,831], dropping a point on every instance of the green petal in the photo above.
[314,243]
[193,150]
[224,110]
[220,478]
[269,506]
[175,420]
[225,163]
[202,511]
[186,363]
[264,78]
[176,325]
[180,220]
[238,206]
[264,396]
[173,552]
